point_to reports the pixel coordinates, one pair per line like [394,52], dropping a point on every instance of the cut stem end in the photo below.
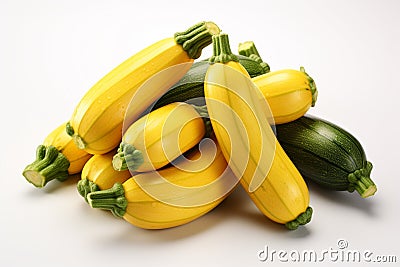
[360,181]
[127,158]
[248,48]
[194,39]
[49,164]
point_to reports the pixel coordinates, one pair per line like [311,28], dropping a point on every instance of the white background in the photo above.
[52,52]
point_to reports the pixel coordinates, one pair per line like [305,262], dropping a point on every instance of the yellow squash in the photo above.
[289,93]
[56,158]
[97,122]
[159,137]
[99,174]
[240,119]
[173,196]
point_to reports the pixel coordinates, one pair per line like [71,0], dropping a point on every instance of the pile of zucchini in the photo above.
[121,151]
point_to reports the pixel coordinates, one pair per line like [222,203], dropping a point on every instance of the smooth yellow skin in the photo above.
[99,170]
[250,146]
[164,134]
[287,93]
[98,118]
[152,201]
[64,143]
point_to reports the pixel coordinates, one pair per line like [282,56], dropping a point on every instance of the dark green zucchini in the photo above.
[191,84]
[327,155]
[254,65]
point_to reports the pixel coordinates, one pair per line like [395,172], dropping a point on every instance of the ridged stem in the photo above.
[313,87]
[85,187]
[79,142]
[112,199]
[302,219]
[194,39]
[49,164]
[361,182]
[127,157]
[221,50]
[249,49]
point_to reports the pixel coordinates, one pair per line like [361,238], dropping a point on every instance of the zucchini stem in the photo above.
[313,87]
[302,219]
[221,50]
[49,164]
[79,142]
[85,187]
[127,157]
[194,39]
[249,49]
[112,199]
[361,182]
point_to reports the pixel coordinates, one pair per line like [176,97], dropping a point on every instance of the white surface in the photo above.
[53,51]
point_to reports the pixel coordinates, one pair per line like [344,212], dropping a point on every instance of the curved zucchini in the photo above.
[327,155]
[97,122]
[248,143]
[173,196]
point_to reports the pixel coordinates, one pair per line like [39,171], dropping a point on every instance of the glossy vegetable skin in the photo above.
[327,155]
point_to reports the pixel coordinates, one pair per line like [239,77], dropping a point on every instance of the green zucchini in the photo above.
[254,65]
[327,155]
[191,84]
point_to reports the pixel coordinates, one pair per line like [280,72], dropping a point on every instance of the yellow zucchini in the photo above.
[237,110]
[290,93]
[56,158]
[173,196]
[97,121]
[159,137]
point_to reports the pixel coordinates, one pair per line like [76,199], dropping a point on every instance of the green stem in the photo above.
[127,157]
[49,164]
[194,39]
[80,143]
[69,129]
[249,49]
[302,219]
[112,199]
[85,187]
[360,181]
[313,87]
[221,50]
